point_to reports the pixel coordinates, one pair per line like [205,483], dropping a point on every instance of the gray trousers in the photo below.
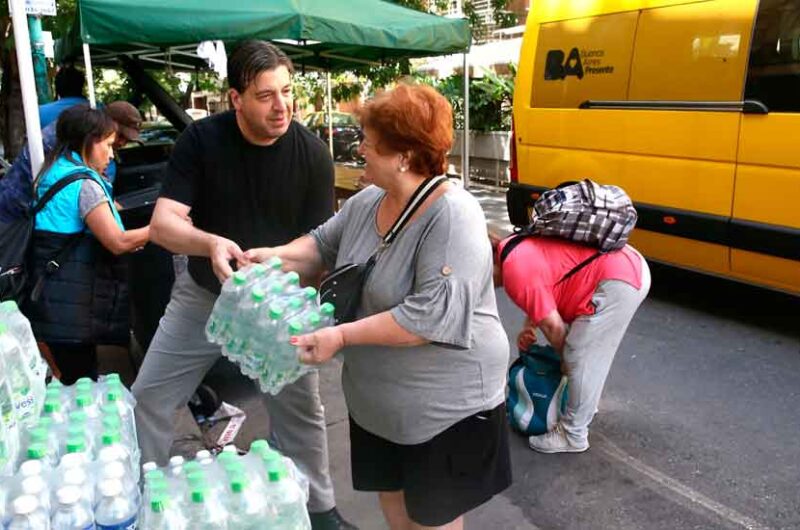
[176,362]
[591,344]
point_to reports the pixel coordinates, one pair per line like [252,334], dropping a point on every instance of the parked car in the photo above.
[346,133]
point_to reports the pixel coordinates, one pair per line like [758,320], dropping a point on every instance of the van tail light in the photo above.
[513,168]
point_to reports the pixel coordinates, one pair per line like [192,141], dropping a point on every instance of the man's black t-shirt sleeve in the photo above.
[319,199]
[183,169]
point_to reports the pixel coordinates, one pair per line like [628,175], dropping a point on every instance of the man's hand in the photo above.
[320,346]
[527,336]
[221,252]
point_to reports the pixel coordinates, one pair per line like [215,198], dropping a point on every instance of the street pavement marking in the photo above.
[694,497]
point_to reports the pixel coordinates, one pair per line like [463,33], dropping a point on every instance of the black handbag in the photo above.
[343,286]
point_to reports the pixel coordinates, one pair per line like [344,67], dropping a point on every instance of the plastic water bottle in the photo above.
[52,409]
[204,513]
[28,515]
[6,464]
[291,281]
[246,505]
[77,477]
[116,470]
[284,360]
[20,328]
[26,404]
[115,511]
[224,308]
[327,310]
[287,502]
[244,324]
[262,341]
[8,417]
[71,513]
[163,514]
[37,487]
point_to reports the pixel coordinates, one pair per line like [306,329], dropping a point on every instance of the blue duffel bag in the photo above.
[537,391]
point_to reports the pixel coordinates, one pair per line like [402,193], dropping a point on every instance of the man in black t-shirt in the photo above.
[248,178]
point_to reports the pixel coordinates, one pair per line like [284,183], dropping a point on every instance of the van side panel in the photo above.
[694,52]
[554,10]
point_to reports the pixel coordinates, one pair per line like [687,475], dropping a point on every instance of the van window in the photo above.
[693,52]
[773,75]
[581,59]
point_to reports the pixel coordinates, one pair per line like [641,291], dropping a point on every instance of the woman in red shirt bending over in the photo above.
[584,317]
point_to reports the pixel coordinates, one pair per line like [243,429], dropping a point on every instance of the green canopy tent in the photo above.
[317,34]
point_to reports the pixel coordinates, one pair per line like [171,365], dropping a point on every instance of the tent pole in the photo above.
[465,135]
[330,112]
[30,102]
[87,61]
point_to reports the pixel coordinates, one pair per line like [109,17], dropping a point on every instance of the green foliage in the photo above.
[490,100]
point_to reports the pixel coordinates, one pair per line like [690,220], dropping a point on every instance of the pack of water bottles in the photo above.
[259,309]
[22,376]
[261,489]
[77,464]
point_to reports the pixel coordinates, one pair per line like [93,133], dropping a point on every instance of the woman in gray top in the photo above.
[425,362]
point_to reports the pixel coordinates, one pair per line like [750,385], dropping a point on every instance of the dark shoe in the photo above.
[330,520]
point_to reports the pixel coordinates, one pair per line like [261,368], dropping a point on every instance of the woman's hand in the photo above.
[260,255]
[527,336]
[320,346]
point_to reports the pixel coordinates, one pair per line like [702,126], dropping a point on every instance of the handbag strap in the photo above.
[422,192]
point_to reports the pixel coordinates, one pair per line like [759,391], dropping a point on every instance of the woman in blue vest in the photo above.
[78,295]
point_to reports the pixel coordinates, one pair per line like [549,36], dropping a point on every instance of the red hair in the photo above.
[412,119]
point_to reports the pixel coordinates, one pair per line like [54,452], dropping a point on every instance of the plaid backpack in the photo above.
[596,215]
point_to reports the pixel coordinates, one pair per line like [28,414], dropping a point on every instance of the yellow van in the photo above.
[692,106]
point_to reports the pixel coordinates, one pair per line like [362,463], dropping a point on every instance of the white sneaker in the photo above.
[555,441]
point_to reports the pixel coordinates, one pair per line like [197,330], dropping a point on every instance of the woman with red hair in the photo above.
[425,360]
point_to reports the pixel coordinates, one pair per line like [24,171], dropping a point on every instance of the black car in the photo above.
[346,133]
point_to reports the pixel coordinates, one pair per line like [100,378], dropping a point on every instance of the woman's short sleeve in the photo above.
[453,273]
[91,196]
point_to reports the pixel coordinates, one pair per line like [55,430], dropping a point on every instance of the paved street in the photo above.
[698,427]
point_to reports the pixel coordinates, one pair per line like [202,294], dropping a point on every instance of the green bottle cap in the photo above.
[276,472]
[275,263]
[154,474]
[53,392]
[238,483]
[76,444]
[8,306]
[3,328]
[226,457]
[55,383]
[295,327]
[110,437]
[270,456]
[192,466]
[158,486]
[196,479]
[113,396]
[310,293]
[84,381]
[84,399]
[37,435]
[45,422]
[37,451]
[78,416]
[257,295]
[258,270]
[296,303]
[231,468]
[198,496]
[275,288]
[327,309]
[239,278]
[275,312]
[292,278]
[158,504]
[259,446]
[113,378]
[51,406]
[109,409]
[314,319]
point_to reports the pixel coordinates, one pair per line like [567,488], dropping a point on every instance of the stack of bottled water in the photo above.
[22,376]
[259,309]
[255,491]
[79,461]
